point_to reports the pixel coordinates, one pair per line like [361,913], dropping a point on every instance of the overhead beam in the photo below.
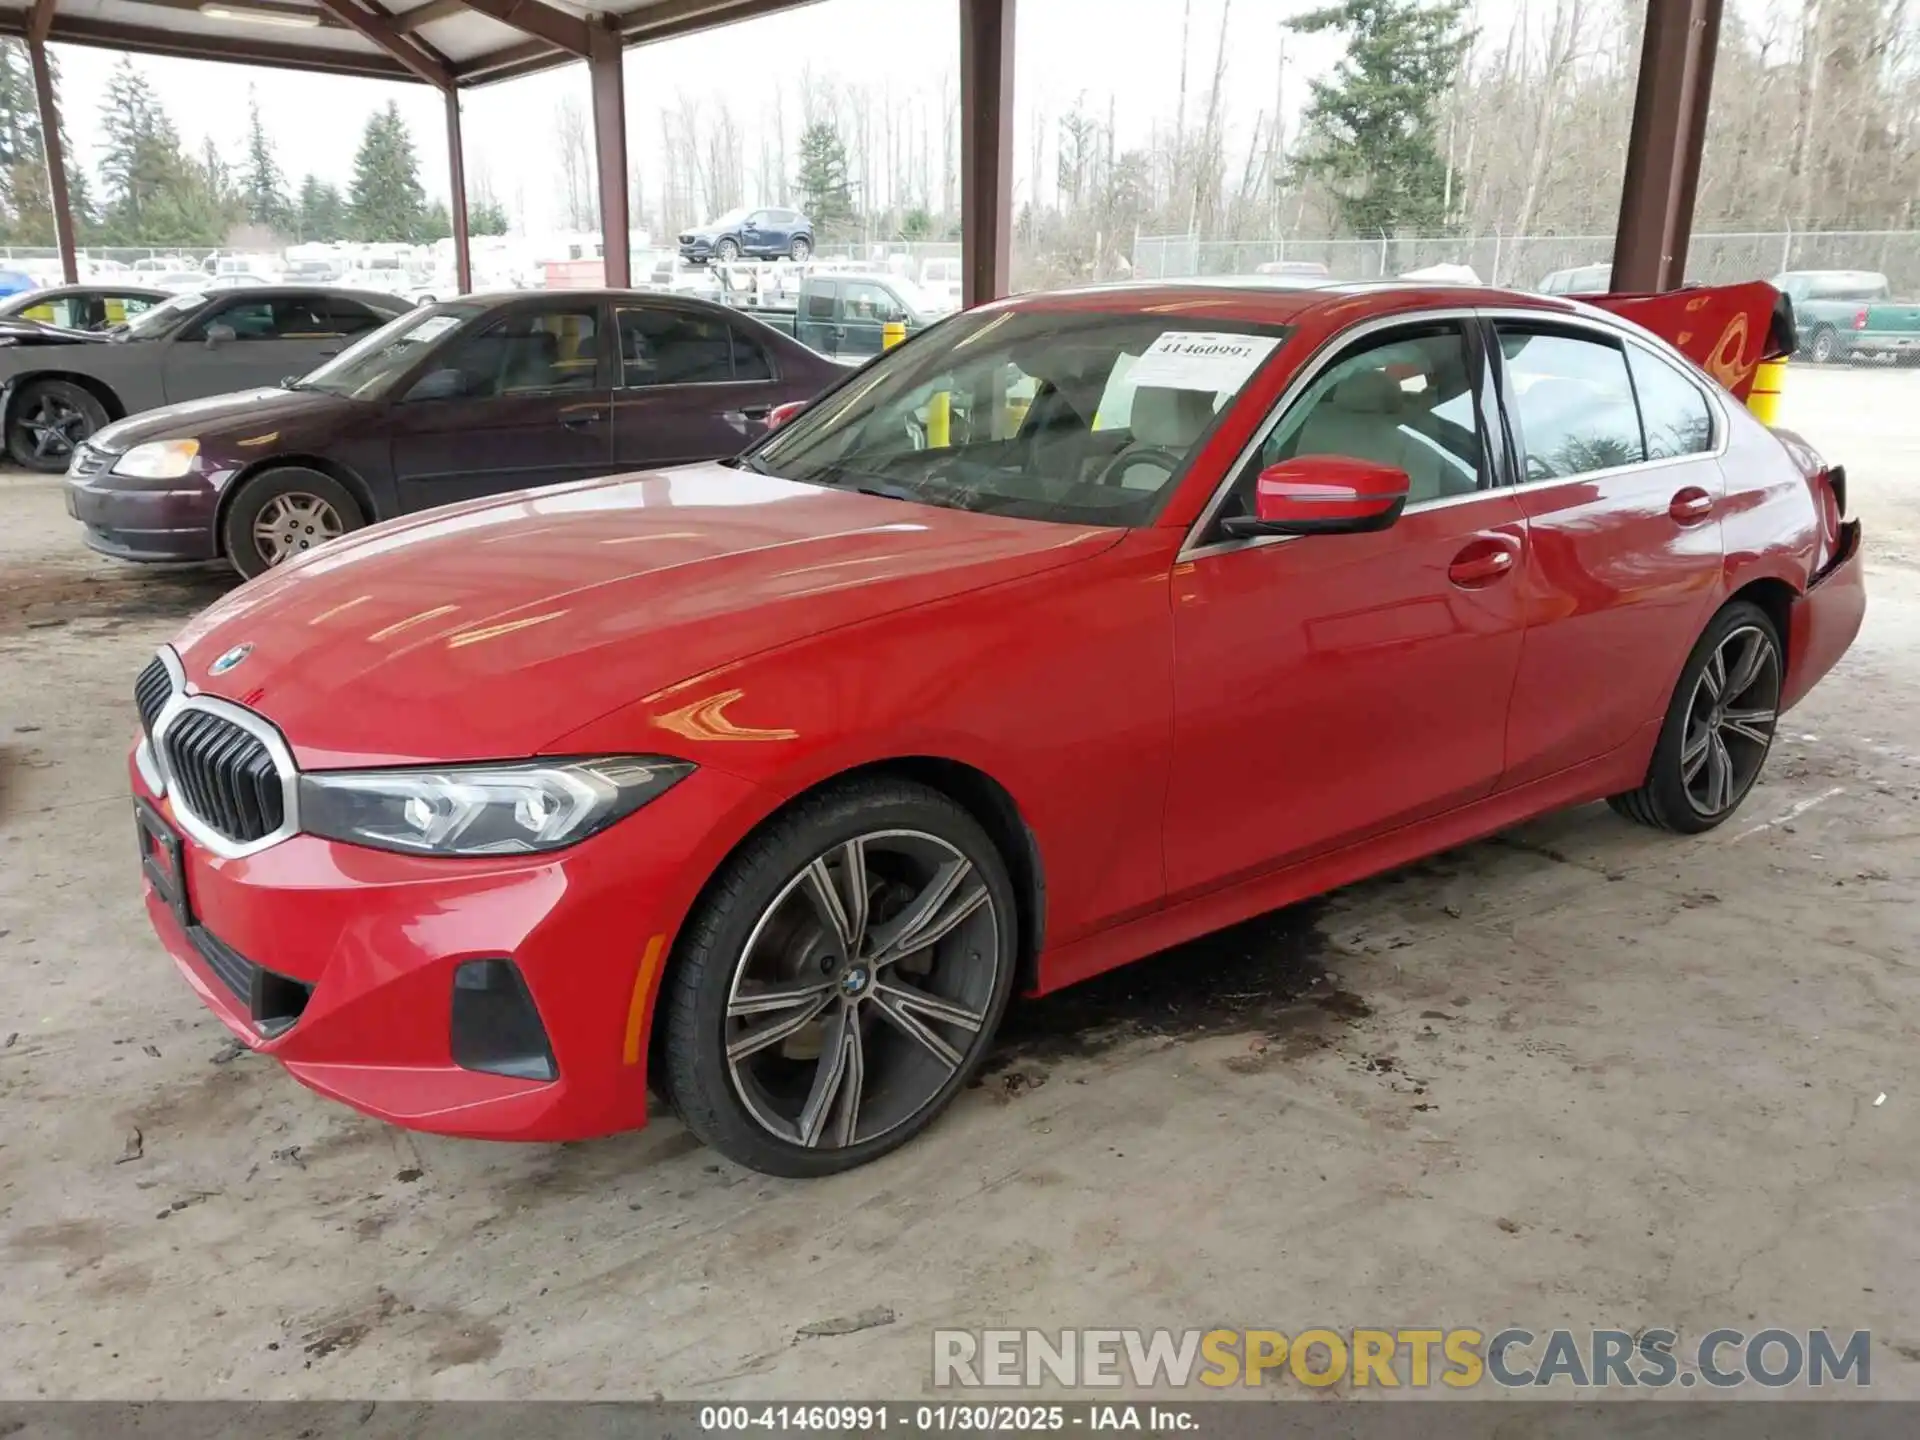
[608,79]
[986,149]
[542,22]
[660,21]
[40,22]
[145,40]
[523,57]
[408,21]
[666,18]
[54,151]
[457,196]
[418,57]
[1664,146]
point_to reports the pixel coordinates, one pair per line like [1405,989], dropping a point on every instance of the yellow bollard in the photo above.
[892,333]
[1769,378]
[939,420]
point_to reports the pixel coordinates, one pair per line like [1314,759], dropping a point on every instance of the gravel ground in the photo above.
[1578,1074]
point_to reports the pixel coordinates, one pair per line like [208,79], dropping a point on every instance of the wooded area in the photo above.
[149,190]
[1433,124]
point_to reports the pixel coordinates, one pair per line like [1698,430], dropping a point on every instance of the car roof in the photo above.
[89,287]
[1254,299]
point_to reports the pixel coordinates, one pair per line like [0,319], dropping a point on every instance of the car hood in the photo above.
[494,629]
[244,414]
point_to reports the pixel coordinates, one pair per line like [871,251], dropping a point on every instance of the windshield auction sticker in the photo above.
[1208,360]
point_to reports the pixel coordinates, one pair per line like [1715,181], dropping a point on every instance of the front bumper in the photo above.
[700,249]
[377,938]
[175,523]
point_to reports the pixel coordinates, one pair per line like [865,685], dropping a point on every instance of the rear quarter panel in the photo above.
[1769,527]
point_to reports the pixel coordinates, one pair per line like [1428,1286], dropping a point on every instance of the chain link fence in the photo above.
[1523,261]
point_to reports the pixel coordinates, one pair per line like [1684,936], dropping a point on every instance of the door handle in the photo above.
[752,412]
[1485,559]
[581,419]
[1691,505]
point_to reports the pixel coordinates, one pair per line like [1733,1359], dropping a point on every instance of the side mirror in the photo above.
[781,414]
[1322,495]
[439,385]
[218,335]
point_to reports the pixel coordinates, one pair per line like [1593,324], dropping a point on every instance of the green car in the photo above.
[1845,315]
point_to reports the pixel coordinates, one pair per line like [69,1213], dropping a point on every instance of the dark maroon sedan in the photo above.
[473,397]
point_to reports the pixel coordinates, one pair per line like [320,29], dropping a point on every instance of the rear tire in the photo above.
[1719,727]
[50,418]
[284,512]
[800,249]
[1825,348]
[805,1033]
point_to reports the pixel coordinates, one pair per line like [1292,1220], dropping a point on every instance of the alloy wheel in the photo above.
[56,427]
[862,989]
[290,523]
[1730,720]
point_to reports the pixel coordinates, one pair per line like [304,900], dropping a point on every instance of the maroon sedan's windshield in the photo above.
[1081,417]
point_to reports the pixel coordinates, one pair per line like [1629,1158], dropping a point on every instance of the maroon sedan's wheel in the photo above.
[841,981]
[281,513]
[1719,727]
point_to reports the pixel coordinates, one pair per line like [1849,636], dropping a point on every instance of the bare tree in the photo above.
[580,204]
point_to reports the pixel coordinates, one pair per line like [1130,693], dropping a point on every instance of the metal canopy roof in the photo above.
[440,42]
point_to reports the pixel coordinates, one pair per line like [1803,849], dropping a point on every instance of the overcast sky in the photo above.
[1126,49]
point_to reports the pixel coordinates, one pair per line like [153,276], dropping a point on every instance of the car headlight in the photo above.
[158,460]
[500,809]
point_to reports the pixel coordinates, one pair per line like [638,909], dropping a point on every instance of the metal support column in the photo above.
[457,195]
[986,149]
[55,156]
[605,48]
[1663,148]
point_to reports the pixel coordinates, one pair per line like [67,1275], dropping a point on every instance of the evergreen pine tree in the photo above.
[822,182]
[262,186]
[1372,127]
[386,198]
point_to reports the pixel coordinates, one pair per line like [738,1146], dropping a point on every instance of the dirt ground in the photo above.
[1579,1074]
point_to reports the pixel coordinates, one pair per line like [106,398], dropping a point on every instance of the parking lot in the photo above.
[1579,1074]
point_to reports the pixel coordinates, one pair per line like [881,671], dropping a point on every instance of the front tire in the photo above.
[1719,727]
[841,981]
[285,512]
[50,419]
[727,251]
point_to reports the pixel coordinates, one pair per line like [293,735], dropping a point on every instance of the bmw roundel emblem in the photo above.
[232,658]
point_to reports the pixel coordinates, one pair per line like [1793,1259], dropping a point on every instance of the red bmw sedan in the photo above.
[1075,627]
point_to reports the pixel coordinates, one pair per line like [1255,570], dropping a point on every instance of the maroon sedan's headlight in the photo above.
[511,808]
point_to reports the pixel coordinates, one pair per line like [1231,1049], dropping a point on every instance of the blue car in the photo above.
[769,233]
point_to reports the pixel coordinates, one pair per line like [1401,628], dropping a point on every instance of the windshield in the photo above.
[368,366]
[161,317]
[914,298]
[1084,418]
[728,220]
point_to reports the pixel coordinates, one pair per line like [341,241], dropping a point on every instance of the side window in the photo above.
[820,301]
[348,317]
[1405,400]
[1573,402]
[248,319]
[870,302]
[526,352]
[118,308]
[674,347]
[750,362]
[1673,413]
